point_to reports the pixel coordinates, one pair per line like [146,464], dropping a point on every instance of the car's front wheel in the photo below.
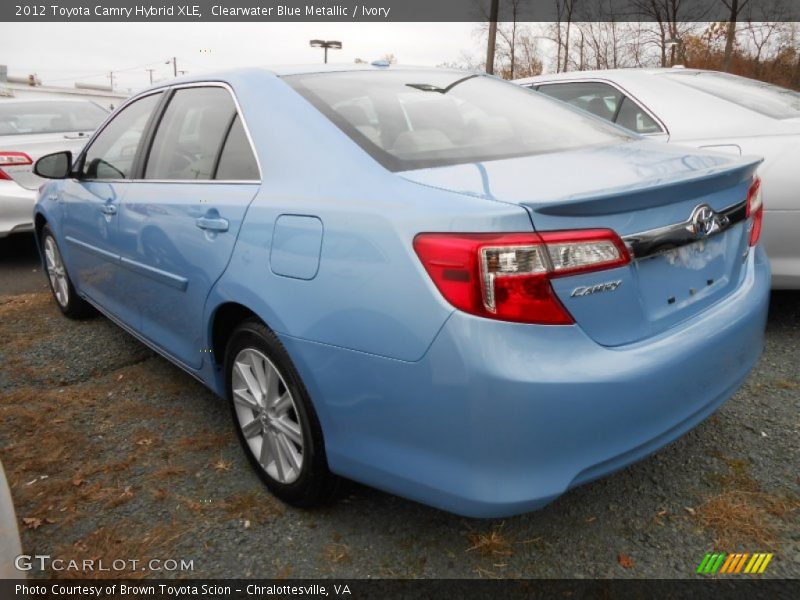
[64,293]
[275,421]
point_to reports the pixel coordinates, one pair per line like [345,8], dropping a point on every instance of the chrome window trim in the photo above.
[663,239]
[166,89]
[620,89]
[177,181]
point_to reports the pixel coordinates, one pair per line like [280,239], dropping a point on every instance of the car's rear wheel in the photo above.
[274,419]
[64,293]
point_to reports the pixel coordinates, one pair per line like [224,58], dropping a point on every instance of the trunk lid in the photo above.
[630,188]
[36,146]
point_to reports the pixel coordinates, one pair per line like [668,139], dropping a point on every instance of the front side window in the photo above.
[408,119]
[190,135]
[600,99]
[112,153]
[26,118]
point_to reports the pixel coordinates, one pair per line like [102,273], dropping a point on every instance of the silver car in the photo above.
[711,110]
[30,129]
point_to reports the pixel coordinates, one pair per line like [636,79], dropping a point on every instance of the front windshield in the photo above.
[765,98]
[410,119]
[23,118]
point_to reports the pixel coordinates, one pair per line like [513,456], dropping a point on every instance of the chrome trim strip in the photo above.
[165,277]
[176,181]
[145,341]
[93,249]
[703,223]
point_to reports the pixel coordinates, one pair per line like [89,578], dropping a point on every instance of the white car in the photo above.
[9,534]
[30,129]
[713,110]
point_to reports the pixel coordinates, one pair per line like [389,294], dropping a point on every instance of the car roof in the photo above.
[613,74]
[287,70]
[37,100]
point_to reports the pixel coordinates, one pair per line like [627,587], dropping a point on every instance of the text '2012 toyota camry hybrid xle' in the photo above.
[429,281]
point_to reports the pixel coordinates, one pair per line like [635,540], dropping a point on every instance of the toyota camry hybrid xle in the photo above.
[429,281]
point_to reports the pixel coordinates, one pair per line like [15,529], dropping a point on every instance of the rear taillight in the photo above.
[507,276]
[13,159]
[755,209]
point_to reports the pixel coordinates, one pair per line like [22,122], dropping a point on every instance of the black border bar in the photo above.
[416,589]
[388,10]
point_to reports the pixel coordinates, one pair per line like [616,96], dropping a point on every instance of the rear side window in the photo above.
[190,135]
[237,161]
[416,119]
[606,102]
[632,116]
[25,118]
[600,99]
[113,151]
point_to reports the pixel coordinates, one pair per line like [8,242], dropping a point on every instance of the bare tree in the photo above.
[528,62]
[760,36]
[508,34]
[735,8]
[565,11]
[672,21]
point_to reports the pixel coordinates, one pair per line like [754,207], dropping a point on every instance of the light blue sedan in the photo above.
[429,281]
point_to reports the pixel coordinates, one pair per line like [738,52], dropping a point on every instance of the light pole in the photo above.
[325,44]
[174,63]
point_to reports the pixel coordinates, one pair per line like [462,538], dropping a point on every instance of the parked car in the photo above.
[10,547]
[30,129]
[432,282]
[711,110]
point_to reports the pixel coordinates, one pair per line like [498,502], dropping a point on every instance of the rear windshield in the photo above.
[22,118]
[765,98]
[418,119]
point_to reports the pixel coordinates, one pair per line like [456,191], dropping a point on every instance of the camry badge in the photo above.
[588,290]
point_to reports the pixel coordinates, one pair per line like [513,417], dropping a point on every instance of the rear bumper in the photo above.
[16,208]
[500,418]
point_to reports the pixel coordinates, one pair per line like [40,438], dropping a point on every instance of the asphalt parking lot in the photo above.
[112,452]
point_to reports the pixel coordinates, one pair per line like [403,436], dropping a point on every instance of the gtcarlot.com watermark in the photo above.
[45,562]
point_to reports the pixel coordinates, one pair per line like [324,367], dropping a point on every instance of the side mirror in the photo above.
[54,166]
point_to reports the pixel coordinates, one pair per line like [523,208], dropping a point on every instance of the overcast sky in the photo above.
[62,53]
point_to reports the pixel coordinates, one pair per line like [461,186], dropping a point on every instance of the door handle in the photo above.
[108,209]
[212,223]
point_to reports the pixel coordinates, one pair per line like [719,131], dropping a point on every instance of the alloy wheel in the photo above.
[267,416]
[56,271]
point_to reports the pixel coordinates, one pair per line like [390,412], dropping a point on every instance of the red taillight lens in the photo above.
[13,159]
[507,276]
[755,209]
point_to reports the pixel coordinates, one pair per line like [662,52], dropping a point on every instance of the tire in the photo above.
[283,441]
[67,299]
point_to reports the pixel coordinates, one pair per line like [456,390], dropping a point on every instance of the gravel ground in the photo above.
[112,452]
